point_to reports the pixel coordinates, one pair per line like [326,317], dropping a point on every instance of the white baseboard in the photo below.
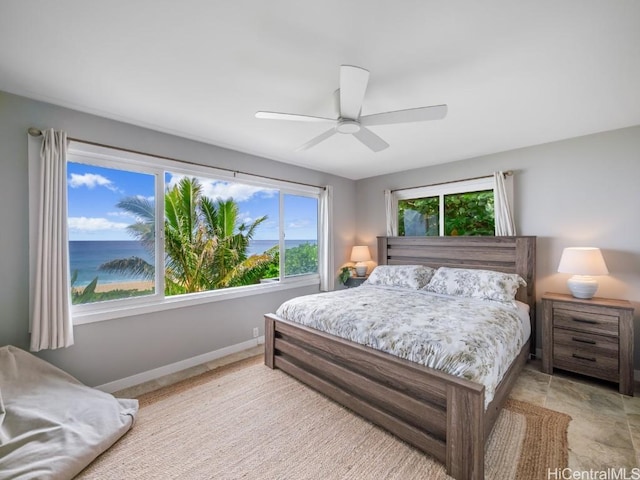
[139,378]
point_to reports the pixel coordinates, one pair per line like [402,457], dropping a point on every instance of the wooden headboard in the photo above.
[503,254]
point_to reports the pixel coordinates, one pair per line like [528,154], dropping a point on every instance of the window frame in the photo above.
[441,190]
[106,157]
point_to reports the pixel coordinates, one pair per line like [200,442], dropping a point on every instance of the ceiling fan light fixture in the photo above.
[348,126]
[349,97]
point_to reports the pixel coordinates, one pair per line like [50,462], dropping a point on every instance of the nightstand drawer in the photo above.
[597,344]
[586,362]
[585,321]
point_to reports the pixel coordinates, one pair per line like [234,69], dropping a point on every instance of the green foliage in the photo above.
[301,259]
[418,212]
[82,295]
[117,294]
[298,261]
[205,244]
[88,294]
[345,274]
[469,214]
[464,214]
[272,269]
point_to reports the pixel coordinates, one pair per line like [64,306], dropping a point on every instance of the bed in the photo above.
[443,415]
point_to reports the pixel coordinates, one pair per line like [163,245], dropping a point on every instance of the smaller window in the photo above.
[453,209]
[469,213]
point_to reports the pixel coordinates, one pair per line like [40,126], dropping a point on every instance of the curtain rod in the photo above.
[508,173]
[36,132]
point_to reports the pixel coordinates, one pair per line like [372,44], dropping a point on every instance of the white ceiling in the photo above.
[513,73]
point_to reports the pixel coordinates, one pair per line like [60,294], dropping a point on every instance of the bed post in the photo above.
[269,340]
[526,263]
[465,433]
[382,250]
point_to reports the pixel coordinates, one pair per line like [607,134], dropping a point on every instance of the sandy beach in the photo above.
[134,285]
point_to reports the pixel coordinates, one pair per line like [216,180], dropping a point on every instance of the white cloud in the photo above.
[150,198]
[85,224]
[122,213]
[90,180]
[299,223]
[215,189]
[245,217]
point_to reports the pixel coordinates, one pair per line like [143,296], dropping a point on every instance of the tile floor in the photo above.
[604,431]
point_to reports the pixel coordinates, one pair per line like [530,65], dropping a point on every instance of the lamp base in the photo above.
[361,269]
[582,286]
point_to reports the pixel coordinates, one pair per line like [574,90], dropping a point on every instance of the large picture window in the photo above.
[147,230]
[459,208]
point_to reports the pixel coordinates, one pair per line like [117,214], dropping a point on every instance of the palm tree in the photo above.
[205,244]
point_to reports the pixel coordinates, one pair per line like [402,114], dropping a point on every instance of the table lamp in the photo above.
[582,262]
[360,254]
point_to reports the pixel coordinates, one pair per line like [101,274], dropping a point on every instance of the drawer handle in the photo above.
[582,320]
[580,357]
[582,340]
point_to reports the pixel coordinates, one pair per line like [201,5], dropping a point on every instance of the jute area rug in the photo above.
[246,421]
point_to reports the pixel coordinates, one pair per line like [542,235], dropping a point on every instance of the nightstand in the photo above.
[590,337]
[355,281]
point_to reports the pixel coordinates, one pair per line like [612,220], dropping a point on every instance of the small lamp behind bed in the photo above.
[360,254]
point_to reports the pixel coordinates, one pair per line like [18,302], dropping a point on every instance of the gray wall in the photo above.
[578,192]
[114,349]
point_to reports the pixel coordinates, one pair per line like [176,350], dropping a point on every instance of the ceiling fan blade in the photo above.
[353,84]
[293,116]
[370,139]
[317,140]
[420,114]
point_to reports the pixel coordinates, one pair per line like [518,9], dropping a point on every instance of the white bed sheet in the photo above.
[470,338]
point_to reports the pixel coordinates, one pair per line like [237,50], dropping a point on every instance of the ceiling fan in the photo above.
[353,84]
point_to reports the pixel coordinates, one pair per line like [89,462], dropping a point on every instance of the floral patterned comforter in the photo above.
[470,338]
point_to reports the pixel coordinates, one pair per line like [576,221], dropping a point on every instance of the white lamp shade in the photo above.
[582,261]
[360,253]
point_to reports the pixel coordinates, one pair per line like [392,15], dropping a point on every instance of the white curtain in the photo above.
[51,324]
[327,278]
[391,212]
[503,216]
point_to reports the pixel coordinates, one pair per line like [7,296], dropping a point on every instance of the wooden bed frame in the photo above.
[440,414]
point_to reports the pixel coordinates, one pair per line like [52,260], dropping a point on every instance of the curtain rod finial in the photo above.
[34,132]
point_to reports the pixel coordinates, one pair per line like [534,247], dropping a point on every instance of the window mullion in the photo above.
[281,237]
[441,214]
[159,270]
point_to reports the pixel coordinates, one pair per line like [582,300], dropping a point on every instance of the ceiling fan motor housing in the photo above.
[347,126]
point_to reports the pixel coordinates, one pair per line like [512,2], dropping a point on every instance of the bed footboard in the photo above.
[439,414]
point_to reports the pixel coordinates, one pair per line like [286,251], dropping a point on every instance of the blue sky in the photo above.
[95,191]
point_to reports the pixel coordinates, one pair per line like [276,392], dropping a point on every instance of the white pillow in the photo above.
[405,276]
[469,282]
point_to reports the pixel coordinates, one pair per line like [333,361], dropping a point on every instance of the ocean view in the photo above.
[87,256]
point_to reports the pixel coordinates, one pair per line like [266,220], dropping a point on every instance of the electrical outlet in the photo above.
[255,332]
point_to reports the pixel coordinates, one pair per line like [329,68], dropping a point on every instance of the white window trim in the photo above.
[440,190]
[138,306]
[112,158]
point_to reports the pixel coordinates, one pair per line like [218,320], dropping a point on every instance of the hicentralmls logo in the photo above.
[606,474]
